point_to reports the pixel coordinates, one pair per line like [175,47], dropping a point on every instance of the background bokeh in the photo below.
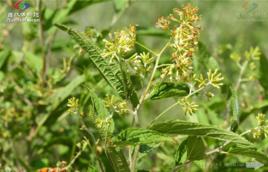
[226,25]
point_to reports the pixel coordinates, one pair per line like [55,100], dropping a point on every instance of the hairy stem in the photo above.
[240,78]
[135,113]
[42,40]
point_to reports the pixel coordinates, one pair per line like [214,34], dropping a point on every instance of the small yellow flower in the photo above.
[215,78]
[99,122]
[184,30]
[120,43]
[162,23]
[253,53]
[119,106]
[257,133]
[200,80]
[188,106]
[73,104]
[260,119]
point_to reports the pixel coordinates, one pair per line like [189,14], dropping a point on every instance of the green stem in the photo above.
[240,78]
[135,113]
[76,156]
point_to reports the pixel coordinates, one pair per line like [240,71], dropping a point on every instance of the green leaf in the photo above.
[195,148]
[263,73]
[94,55]
[4,55]
[61,16]
[261,106]
[134,136]
[252,153]
[78,4]
[179,127]
[204,60]
[235,105]
[129,86]
[169,89]
[57,98]
[101,111]
[33,61]
[151,31]
[62,93]
[181,151]
[98,105]
[118,160]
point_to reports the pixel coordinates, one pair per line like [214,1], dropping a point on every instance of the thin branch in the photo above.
[135,113]
[240,78]
[42,41]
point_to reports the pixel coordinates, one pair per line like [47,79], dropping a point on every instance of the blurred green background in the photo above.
[235,24]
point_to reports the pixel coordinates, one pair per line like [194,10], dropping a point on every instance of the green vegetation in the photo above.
[84,90]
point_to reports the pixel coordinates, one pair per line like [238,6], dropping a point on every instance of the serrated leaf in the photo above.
[117,160]
[95,56]
[101,111]
[179,127]
[134,136]
[111,73]
[250,153]
[195,148]
[169,89]
[98,105]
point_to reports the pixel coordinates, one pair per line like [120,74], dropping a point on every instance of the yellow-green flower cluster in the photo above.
[257,133]
[188,106]
[260,119]
[214,78]
[248,60]
[119,106]
[103,123]
[120,43]
[182,24]
[260,131]
[141,63]
[73,104]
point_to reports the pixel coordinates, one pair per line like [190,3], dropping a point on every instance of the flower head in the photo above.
[120,43]
[257,133]
[73,104]
[182,24]
[215,78]
[162,23]
[188,106]
[260,119]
